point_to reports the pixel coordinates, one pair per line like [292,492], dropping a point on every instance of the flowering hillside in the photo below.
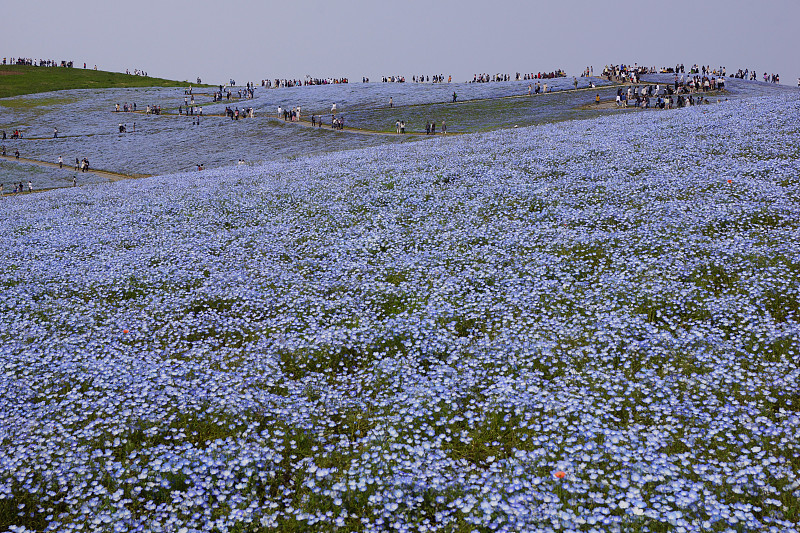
[583,326]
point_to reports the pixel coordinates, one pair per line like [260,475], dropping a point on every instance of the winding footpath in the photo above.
[107,174]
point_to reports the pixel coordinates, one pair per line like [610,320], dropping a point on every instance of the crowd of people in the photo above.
[53,63]
[680,94]
[630,73]
[278,83]
[236,114]
[218,96]
[292,115]
[18,187]
[38,62]
[430,127]
[125,108]
[436,78]
[486,78]
[193,110]
[248,93]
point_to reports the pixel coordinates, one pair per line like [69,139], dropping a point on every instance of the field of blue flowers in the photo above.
[162,144]
[583,326]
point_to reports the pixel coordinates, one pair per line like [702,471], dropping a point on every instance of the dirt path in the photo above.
[305,122]
[109,175]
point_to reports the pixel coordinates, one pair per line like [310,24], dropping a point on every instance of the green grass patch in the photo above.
[16,80]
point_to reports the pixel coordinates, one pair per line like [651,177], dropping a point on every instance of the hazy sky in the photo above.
[252,40]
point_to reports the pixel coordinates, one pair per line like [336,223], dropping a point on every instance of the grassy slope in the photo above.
[16,80]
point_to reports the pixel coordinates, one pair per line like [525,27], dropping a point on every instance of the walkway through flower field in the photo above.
[111,176]
[362,120]
[303,121]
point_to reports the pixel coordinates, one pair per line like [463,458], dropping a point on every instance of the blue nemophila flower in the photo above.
[350,339]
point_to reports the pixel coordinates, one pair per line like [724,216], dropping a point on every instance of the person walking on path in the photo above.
[60,162]
[30,186]
[55,133]
[454,97]
[74,181]
[77,164]
[444,127]
[16,153]
[391,103]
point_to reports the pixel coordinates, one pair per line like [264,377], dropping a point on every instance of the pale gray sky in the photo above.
[251,40]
